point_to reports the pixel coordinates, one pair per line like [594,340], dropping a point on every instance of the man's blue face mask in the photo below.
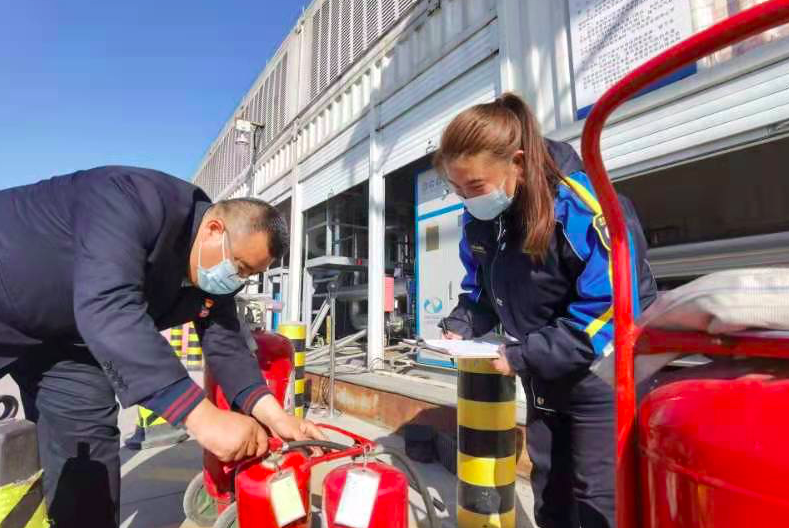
[221,279]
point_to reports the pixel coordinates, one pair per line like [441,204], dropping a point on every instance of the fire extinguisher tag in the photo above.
[286,499]
[358,498]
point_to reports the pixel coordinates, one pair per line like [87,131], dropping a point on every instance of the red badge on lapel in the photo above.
[206,310]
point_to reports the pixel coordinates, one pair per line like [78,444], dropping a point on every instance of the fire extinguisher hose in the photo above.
[430,504]
[323,444]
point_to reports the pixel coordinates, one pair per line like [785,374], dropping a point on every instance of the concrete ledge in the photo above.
[394,401]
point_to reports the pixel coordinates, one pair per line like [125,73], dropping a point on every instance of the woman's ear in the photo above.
[519,164]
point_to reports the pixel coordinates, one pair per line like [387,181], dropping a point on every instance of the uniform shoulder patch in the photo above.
[602,230]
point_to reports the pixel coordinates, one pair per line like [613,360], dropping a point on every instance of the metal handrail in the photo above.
[626,333]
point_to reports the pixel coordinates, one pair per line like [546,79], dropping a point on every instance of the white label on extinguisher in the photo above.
[286,499]
[358,498]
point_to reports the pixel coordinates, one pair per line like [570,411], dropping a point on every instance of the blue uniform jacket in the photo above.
[559,312]
[99,257]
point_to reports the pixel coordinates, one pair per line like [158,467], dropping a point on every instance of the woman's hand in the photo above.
[501,364]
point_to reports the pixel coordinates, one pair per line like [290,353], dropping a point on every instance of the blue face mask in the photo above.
[221,279]
[488,206]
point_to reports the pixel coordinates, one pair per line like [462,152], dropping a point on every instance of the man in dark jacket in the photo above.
[92,266]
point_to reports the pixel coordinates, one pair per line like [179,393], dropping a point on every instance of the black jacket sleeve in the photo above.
[228,355]
[115,222]
[471,319]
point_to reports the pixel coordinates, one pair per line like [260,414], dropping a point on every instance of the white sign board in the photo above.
[612,37]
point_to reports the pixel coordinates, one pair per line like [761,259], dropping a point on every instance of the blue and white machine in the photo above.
[438,268]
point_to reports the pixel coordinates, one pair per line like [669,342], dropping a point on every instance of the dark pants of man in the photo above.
[65,392]
[572,451]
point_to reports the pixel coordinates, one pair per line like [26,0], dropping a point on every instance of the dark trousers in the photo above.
[572,451]
[68,396]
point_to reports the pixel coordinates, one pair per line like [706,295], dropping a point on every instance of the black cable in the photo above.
[430,504]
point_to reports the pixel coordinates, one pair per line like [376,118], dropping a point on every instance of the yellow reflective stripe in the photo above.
[477,366]
[487,472]
[144,414]
[299,386]
[585,196]
[598,324]
[298,359]
[486,416]
[468,519]
[39,518]
[11,494]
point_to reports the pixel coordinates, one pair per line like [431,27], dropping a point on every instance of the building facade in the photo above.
[355,99]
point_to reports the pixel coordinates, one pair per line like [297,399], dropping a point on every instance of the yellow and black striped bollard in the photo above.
[194,353]
[177,340]
[297,333]
[154,431]
[486,446]
[22,501]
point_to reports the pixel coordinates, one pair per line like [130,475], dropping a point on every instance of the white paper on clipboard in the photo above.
[465,349]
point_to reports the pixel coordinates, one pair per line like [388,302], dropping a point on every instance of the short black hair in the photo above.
[251,215]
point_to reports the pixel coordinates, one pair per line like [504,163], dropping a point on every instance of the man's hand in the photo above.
[446,334]
[501,364]
[228,435]
[268,411]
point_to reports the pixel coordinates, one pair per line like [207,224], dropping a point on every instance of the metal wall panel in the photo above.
[345,171]
[278,190]
[335,148]
[417,132]
[475,50]
[728,115]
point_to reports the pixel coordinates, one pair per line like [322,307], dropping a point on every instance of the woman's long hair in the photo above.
[501,128]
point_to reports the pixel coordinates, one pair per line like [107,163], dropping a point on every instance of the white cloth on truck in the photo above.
[726,302]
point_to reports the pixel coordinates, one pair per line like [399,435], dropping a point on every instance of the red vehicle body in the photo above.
[712,449]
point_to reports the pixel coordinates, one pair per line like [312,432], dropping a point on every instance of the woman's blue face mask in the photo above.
[221,279]
[488,206]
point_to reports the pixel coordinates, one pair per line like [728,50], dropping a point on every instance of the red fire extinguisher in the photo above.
[365,495]
[211,492]
[275,492]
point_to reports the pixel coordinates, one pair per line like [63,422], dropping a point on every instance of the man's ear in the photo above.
[215,226]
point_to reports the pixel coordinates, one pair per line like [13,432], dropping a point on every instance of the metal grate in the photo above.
[388,14]
[275,102]
[345,35]
[283,86]
[358,28]
[405,5]
[323,66]
[316,34]
[373,22]
[334,41]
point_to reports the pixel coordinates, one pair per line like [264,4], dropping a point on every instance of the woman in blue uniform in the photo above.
[537,256]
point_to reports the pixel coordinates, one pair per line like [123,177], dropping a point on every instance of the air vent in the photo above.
[358,29]
[316,34]
[388,14]
[334,41]
[324,48]
[373,22]
[345,36]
